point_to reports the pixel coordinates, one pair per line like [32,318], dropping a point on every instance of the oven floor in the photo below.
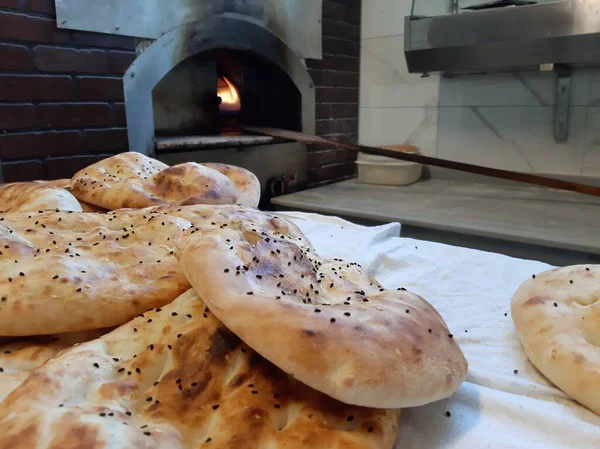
[528,222]
[191,143]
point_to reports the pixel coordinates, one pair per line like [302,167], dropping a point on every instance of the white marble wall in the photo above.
[497,120]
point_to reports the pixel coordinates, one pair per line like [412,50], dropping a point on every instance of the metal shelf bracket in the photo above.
[561,109]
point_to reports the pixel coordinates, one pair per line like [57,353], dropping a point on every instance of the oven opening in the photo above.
[205,102]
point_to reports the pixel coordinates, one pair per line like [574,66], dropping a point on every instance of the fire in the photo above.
[230,99]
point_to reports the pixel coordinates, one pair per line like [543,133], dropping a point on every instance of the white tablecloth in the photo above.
[494,408]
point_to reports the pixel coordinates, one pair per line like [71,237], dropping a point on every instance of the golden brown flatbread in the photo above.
[132,180]
[35,196]
[325,322]
[245,181]
[177,378]
[19,356]
[65,272]
[557,316]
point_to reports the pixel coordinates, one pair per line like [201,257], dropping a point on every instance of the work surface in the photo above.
[495,408]
[518,213]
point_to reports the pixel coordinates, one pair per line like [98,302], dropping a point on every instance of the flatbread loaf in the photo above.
[177,378]
[132,180]
[19,356]
[65,272]
[245,181]
[35,196]
[557,316]
[324,322]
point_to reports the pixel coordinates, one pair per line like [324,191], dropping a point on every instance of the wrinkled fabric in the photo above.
[495,408]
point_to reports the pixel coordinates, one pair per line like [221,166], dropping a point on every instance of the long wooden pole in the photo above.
[426,160]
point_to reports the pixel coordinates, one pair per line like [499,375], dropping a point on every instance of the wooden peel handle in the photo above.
[400,153]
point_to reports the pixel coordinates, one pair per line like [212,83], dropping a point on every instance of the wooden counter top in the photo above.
[513,212]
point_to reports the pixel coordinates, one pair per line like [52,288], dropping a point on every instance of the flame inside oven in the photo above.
[230,99]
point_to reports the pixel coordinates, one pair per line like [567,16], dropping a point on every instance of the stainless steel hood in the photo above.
[508,38]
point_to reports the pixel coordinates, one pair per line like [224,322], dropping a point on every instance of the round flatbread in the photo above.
[177,378]
[35,196]
[557,316]
[327,323]
[21,355]
[245,181]
[65,272]
[132,180]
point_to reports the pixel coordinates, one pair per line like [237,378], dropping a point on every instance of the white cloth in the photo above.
[495,408]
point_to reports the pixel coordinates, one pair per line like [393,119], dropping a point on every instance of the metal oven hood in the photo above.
[507,38]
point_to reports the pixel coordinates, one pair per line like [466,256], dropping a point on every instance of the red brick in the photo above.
[119,61]
[98,88]
[35,88]
[66,167]
[92,61]
[343,138]
[328,157]
[43,6]
[341,30]
[58,59]
[353,16]
[336,126]
[103,40]
[14,57]
[337,110]
[27,28]
[73,115]
[331,172]
[329,78]
[345,63]
[16,4]
[113,139]
[337,95]
[35,144]
[119,114]
[335,46]
[22,171]
[16,116]
[334,11]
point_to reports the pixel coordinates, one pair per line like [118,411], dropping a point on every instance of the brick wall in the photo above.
[61,93]
[336,78]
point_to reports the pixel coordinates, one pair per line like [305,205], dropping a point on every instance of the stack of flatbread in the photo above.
[181,323]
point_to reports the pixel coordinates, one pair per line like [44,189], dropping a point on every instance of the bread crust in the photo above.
[557,317]
[327,323]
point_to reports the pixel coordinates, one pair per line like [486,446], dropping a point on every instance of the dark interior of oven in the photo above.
[189,101]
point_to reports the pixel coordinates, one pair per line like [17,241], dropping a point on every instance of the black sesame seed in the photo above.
[448,414]
[533,276]
[216,406]
[149,399]
[571,281]
[128,413]
[174,314]
[516,371]
[555,305]
[450,336]
[137,370]
[407,311]
[317,310]
[350,418]
[121,370]
[429,330]
[96,365]
[226,270]
[347,313]
[370,429]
